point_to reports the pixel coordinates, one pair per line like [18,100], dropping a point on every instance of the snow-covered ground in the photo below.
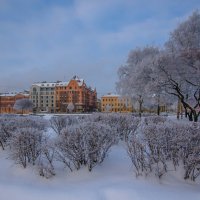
[113,180]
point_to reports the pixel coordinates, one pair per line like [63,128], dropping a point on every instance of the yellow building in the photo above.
[116,103]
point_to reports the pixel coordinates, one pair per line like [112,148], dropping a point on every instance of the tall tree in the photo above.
[179,65]
[136,76]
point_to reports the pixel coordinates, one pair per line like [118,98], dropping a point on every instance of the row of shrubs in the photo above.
[154,144]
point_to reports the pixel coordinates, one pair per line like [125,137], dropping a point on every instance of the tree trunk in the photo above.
[2,145]
[178,109]
[195,116]
[186,113]
[140,109]
[190,116]
[158,109]
[140,100]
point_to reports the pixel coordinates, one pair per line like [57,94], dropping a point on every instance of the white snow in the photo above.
[50,84]
[113,180]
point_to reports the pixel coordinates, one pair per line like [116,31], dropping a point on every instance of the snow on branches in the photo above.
[154,144]
[160,143]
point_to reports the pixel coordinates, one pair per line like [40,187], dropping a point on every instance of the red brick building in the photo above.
[77,93]
[7,101]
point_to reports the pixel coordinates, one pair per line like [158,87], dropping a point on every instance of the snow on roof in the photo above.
[115,95]
[51,84]
[54,84]
[62,83]
[7,94]
[12,94]
[111,95]
[44,84]
[80,81]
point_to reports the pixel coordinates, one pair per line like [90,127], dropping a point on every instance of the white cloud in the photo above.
[59,41]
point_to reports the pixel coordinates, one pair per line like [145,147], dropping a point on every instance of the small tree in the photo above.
[23,104]
[70,107]
[108,108]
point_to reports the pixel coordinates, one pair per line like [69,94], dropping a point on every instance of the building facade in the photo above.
[58,96]
[7,102]
[43,96]
[116,103]
[76,93]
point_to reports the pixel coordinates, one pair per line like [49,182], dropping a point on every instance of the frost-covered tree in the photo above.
[108,108]
[179,65]
[70,107]
[137,74]
[23,104]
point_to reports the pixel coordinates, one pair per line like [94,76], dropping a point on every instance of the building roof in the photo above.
[51,84]
[12,94]
[80,81]
[59,83]
[114,95]
[45,84]
[111,95]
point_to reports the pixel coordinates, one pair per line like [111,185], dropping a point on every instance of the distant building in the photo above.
[57,96]
[75,92]
[43,96]
[7,101]
[116,103]
[99,105]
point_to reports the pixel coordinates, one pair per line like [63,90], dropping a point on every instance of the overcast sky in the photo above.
[49,40]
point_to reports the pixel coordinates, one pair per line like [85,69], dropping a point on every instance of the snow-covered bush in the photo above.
[155,120]
[46,159]
[160,142]
[9,123]
[69,147]
[128,125]
[97,139]
[137,152]
[121,124]
[156,140]
[30,121]
[6,130]
[84,144]
[25,145]
[188,147]
[60,122]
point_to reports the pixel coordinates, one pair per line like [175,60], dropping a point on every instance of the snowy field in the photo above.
[114,179]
